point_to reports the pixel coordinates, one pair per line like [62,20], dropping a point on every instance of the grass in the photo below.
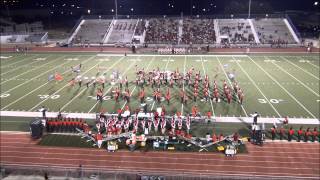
[64,141]
[274,85]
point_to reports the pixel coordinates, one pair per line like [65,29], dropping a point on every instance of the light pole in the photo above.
[249,12]
[116,7]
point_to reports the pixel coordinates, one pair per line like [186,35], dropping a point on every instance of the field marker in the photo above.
[313,65]
[136,85]
[300,68]
[63,86]
[224,72]
[35,77]
[282,88]
[317,94]
[36,89]
[112,85]
[30,70]
[166,68]
[204,71]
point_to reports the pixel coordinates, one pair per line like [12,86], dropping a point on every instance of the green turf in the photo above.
[64,141]
[290,83]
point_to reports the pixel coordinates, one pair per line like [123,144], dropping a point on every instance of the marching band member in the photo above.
[156,124]
[142,95]
[143,123]
[163,126]
[173,125]
[99,139]
[180,123]
[168,96]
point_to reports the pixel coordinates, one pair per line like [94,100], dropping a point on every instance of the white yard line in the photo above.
[32,69]
[73,98]
[282,88]
[204,73]
[307,72]
[184,72]
[36,89]
[111,85]
[224,72]
[254,83]
[27,58]
[18,67]
[35,77]
[64,85]
[316,66]
[317,94]
[136,85]
[165,69]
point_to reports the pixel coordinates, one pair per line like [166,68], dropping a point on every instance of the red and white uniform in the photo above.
[173,123]
[143,123]
[180,123]
[188,123]
[163,126]
[156,124]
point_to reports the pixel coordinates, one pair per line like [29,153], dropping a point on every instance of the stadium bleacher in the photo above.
[92,31]
[237,30]
[162,31]
[198,31]
[122,31]
[272,29]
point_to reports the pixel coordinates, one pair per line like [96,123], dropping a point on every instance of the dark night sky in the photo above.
[161,7]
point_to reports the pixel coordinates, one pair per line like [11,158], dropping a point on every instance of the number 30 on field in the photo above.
[56,96]
[273,101]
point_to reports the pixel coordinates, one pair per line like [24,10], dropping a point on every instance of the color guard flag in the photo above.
[58,77]
[50,77]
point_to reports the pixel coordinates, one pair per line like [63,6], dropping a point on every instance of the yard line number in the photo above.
[4,95]
[46,96]
[273,101]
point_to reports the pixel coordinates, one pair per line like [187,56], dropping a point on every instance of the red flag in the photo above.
[58,77]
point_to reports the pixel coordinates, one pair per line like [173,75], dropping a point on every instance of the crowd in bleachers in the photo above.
[141,27]
[273,31]
[198,31]
[164,31]
[237,30]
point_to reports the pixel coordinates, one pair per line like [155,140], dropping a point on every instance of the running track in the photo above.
[277,160]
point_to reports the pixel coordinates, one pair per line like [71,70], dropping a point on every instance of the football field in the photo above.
[274,85]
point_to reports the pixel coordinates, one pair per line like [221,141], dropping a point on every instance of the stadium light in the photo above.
[249,11]
[89,11]
[116,7]
[316,3]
